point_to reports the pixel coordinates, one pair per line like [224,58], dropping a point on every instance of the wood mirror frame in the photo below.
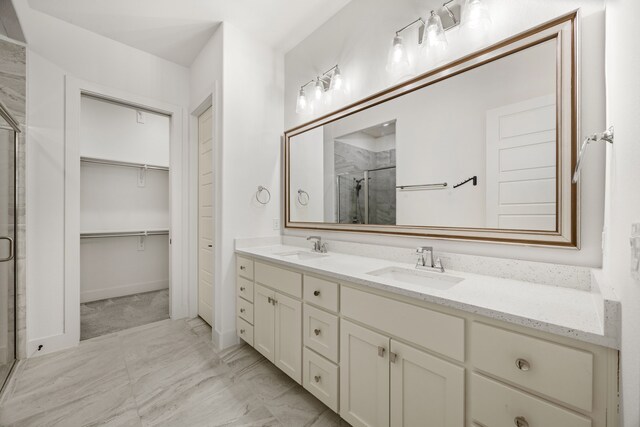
[564,31]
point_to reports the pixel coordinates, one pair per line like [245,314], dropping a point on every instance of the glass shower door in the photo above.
[7,250]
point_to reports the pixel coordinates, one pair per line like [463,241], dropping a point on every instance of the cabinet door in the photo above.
[364,376]
[288,322]
[425,390]
[264,322]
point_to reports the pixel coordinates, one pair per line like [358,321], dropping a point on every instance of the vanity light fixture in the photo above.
[434,36]
[302,104]
[398,63]
[324,86]
[475,15]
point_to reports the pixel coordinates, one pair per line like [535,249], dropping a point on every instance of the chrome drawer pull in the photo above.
[393,357]
[242,288]
[241,331]
[242,310]
[242,267]
[521,422]
[316,293]
[523,365]
[317,378]
[381,351]
[316,331]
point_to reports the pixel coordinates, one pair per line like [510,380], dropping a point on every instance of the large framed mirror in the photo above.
[479,149]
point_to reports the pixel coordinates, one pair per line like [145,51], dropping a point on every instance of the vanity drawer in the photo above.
[495,404]
[244,267]
[244,309]
[282,280]
[244,288]
[244,330]
[321,332]
[430,329]
[320,378]
[321,293]
[557,371]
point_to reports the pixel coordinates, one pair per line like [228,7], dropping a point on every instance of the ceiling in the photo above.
[178,29]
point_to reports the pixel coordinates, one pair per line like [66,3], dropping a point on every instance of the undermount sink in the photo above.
[302,255]
[416,277]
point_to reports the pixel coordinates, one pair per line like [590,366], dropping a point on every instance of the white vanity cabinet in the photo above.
[278,318]
[383,359]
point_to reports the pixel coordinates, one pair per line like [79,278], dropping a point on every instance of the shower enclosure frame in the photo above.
[12,126]
[366,192]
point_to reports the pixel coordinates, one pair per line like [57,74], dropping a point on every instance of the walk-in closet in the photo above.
[124,217]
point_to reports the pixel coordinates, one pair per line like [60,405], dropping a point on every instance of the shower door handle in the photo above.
[10,257]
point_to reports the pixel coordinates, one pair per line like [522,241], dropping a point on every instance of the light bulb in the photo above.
[302,104]
[398,59]
[318,90]
[434,36]
[475,15]
[337,82]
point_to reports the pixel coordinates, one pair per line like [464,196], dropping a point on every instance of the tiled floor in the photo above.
[167,373]
[116,314]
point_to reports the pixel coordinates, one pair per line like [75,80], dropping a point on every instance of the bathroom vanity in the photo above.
[384,344]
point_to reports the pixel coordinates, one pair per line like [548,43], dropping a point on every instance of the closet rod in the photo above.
[123,164]
[124,234]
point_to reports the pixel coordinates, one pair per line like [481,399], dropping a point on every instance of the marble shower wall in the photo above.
[350,164]
[13,88]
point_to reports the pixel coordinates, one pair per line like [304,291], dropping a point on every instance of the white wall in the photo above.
[358,38]
[246,78]
[623,196]
[56,49]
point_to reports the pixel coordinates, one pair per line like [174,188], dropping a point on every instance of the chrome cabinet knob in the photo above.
[241,331]
[523,365]
[242,310]
[316,331]
[521,422]
[316,293]
[242,288]
[242,267]
[317,378]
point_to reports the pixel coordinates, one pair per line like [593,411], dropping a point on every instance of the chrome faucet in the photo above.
[318,246]
[432,264]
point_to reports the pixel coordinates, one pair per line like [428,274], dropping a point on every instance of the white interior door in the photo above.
[205,216]
[521,165]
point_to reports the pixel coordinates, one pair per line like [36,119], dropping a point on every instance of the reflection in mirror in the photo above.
[399,162]
[365,171]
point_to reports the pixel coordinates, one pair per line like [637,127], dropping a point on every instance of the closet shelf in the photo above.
[143,233]
[122,164]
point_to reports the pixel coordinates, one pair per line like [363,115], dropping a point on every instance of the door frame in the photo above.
[179,284]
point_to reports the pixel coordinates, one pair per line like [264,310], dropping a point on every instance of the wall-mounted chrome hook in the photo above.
[606,136]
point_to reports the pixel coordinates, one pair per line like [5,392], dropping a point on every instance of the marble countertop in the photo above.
[589,316]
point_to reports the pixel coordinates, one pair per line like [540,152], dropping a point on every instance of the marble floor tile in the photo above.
[163,374]
[296,407]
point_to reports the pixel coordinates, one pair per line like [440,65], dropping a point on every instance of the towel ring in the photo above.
[259,192]
[300,197]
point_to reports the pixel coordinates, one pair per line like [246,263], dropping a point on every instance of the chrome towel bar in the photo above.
[422,186]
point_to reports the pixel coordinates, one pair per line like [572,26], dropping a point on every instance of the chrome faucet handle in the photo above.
[317,244]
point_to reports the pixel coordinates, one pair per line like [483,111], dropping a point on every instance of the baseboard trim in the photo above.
[223,340]
[122,291]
